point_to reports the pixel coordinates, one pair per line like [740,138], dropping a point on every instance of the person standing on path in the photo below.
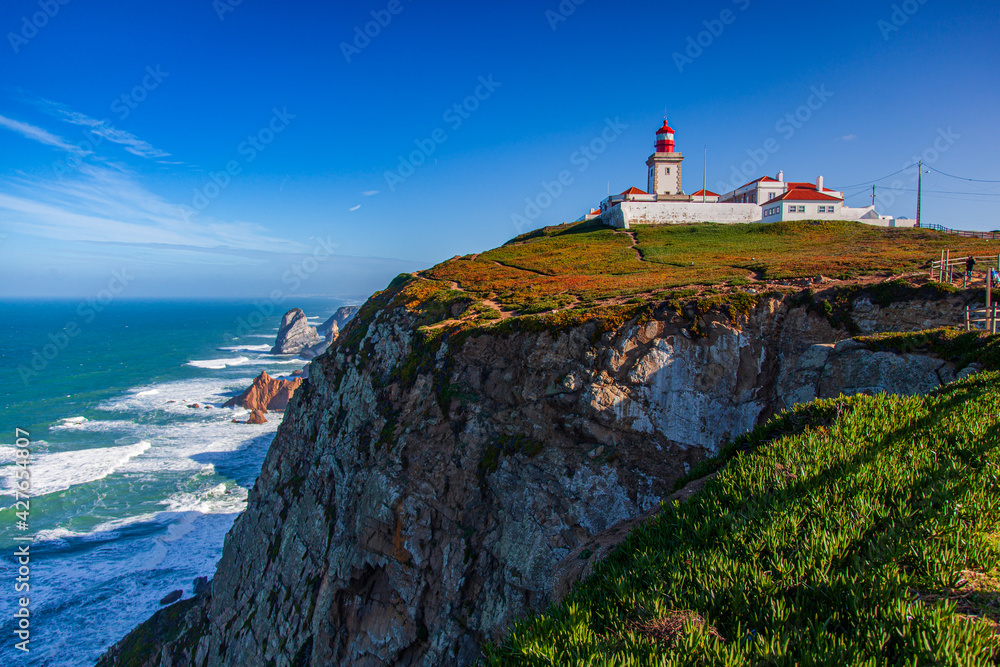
[970,265]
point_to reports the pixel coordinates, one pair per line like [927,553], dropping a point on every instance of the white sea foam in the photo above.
[246,348]
[218,364]
[69,423]
[61,470]
[176,396]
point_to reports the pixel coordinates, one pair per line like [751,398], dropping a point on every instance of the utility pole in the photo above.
[873,195]
[704,180]
[920,183]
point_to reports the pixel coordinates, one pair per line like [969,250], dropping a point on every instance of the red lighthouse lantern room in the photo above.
[665,139]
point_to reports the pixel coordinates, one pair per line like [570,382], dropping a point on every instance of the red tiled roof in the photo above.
[707,193]
[634,191]
[762,179]
[801,194]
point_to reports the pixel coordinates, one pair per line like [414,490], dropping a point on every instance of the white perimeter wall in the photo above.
[626,214]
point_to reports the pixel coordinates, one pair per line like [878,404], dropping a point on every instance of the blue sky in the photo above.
[231,149]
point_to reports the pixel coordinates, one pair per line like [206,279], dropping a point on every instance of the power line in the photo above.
[867,183]
[950,192]
[961,178]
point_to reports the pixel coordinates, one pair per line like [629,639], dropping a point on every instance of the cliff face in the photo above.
[416,500]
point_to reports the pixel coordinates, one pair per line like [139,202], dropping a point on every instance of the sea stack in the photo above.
[266,394]
[295,334]
[331,328]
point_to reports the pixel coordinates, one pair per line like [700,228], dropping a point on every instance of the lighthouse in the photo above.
[665,167]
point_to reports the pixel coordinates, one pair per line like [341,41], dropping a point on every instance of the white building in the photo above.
[765,199]
[664,202]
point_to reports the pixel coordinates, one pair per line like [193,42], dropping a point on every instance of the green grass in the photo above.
[855,531]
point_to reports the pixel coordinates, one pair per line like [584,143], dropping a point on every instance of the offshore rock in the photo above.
[266,394]
[341,317]
[294,334]
[256,417]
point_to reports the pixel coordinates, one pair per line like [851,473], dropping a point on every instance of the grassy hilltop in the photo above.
[562,275]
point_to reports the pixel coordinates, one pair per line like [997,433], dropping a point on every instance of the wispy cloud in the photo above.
[104,205]
[38,134]
[102,128]
[105,130]
[370,193]
[849,137]
[355,208]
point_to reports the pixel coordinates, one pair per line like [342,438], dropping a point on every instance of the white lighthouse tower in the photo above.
[665,167]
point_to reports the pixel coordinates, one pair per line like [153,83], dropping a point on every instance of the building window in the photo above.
[772,196]
[668,170]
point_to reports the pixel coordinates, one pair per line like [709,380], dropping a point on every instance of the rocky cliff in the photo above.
[423,488]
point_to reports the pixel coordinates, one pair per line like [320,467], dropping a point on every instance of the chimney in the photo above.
[781,176]
[819,184]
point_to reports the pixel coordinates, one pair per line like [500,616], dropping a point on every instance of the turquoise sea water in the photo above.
[132,490]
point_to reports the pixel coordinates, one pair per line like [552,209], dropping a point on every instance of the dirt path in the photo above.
[635,243]
[490,303]
[521,268]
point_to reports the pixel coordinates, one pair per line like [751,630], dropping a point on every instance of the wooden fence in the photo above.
[945,269]
[987,316]
[989,236]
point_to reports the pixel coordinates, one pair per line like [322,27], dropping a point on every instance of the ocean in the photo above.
[132,491]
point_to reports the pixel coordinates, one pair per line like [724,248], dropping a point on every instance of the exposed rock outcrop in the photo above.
[172,597]
[266,394]
[417,500]
[332,326]
[329,329]
[295,334]
[256,417]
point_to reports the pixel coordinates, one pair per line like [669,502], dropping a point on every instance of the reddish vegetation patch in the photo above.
[669,628]
[588,264]
[976,596]
[785,471]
